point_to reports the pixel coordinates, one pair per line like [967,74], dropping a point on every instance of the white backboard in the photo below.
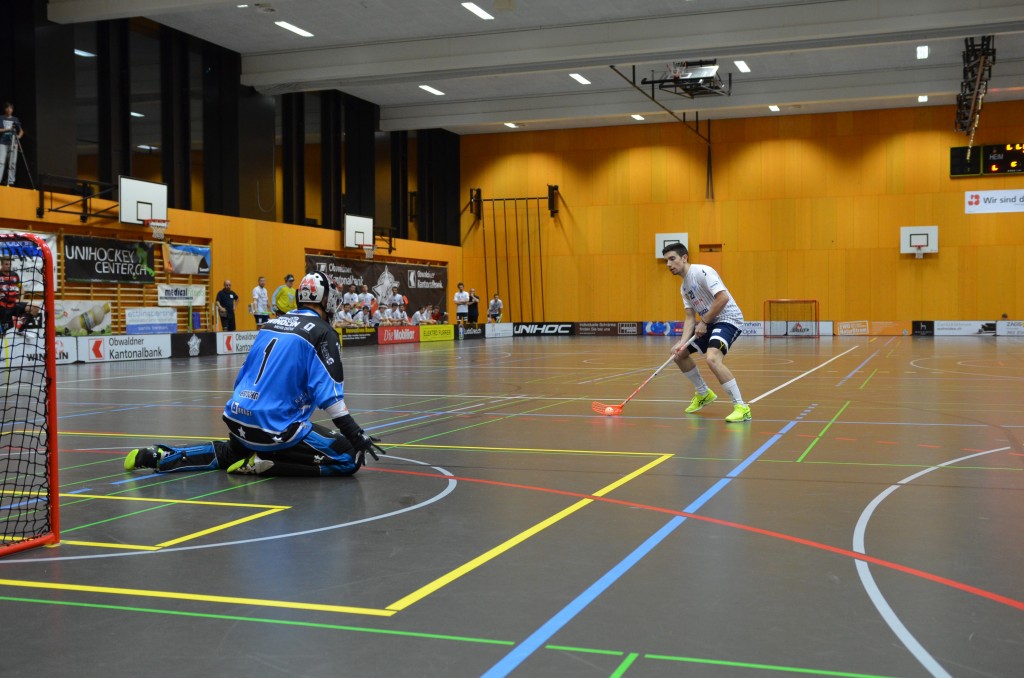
[928,236]
[139,200]
[663,239]
[358,231]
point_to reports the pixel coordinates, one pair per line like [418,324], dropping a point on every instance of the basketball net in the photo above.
[368,251]
[158,226]
[919,254]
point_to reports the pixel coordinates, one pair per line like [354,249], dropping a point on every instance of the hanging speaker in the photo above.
[553,199]
[475,202]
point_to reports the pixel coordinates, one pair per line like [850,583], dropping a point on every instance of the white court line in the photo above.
[801,376]
[874,593]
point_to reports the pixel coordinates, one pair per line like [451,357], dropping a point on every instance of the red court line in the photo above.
[952,583]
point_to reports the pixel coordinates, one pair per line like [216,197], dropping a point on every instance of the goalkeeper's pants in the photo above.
[323,452]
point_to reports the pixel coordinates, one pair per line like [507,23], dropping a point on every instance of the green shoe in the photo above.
[143,457]
[250,465]
[739,413]
[700,401]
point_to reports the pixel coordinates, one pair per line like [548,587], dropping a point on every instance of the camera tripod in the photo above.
[19,152]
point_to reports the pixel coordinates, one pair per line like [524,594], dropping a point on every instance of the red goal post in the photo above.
[29,490]
[791,318]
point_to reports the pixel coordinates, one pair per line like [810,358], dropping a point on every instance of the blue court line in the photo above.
[856,369]
[542,635]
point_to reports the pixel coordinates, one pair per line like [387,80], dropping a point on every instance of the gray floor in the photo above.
[866,522]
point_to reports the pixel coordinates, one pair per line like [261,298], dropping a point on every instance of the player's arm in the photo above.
[331,391]
[721,299]
[689,326]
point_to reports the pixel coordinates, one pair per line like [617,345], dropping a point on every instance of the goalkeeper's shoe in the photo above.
[143,457]
[739,413]
[700,401]
[251,465]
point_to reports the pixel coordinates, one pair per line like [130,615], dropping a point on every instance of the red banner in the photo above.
[398,335]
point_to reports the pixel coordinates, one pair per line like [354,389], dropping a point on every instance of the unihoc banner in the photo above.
[991,202]
[180,295]
[79,318]
[88,259]
[420,284]
[187,259]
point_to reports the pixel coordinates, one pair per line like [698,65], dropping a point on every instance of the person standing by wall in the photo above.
[284,296]
[227,300]
[11,133]
[473,306]
[461,299]
[494,309]
[260,302]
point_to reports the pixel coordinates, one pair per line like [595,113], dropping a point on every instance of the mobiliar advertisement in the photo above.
[229,343]
[420,284]
[398,335]
[124,347]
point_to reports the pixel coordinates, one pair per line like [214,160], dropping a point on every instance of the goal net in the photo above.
[28,431]
[791,318]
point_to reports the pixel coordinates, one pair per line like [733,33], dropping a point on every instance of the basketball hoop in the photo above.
[368,250]
[919,253]
[158,226]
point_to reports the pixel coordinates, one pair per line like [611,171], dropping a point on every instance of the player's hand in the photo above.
[701,329]
[365,443]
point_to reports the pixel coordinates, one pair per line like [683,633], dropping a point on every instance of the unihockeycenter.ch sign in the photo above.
[88,259]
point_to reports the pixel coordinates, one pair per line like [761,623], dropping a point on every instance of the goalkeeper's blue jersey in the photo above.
[293,368]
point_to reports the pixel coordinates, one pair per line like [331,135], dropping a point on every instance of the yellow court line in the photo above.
[218,528]
[493,553]
[177,595]
[197,502]
[102,545]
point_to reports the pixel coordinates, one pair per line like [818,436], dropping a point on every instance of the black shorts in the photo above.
[720,335]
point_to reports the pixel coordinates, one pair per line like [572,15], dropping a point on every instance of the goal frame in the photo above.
[8,244]
[769,320]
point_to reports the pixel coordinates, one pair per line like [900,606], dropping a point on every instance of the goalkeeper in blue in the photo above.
[294,368]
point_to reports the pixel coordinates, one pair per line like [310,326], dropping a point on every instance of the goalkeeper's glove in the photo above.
[365,443]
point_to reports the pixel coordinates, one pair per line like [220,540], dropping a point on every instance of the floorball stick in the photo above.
[612,410]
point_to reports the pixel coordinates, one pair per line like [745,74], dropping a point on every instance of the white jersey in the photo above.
[260,301]
[366,299]
[350,298]
[699,288]
[461,300]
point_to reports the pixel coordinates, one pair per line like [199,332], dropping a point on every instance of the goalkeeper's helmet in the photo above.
[316,288]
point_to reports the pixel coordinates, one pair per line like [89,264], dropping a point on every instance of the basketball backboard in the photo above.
[358,231]
[140,200]
[661,240]
[915,239]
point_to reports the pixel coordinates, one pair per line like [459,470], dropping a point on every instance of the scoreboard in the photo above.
[989,160]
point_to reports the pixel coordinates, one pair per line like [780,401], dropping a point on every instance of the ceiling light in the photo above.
[294,29]
[922,51]
[146,147]
[773,108]
[432,90]
[742,65]
[83,53]
[241,6]
[579,78]
[637,116]
[511,124]
[137,115]
[922,98]
[471,6]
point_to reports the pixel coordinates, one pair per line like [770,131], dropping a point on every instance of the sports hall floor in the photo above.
[867,522]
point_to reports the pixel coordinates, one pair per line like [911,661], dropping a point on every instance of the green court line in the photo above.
[285,622]
[817,438]
[868,379]
[765,667]
[620,670]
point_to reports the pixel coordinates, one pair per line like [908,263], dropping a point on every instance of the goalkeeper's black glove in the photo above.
[366,443]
